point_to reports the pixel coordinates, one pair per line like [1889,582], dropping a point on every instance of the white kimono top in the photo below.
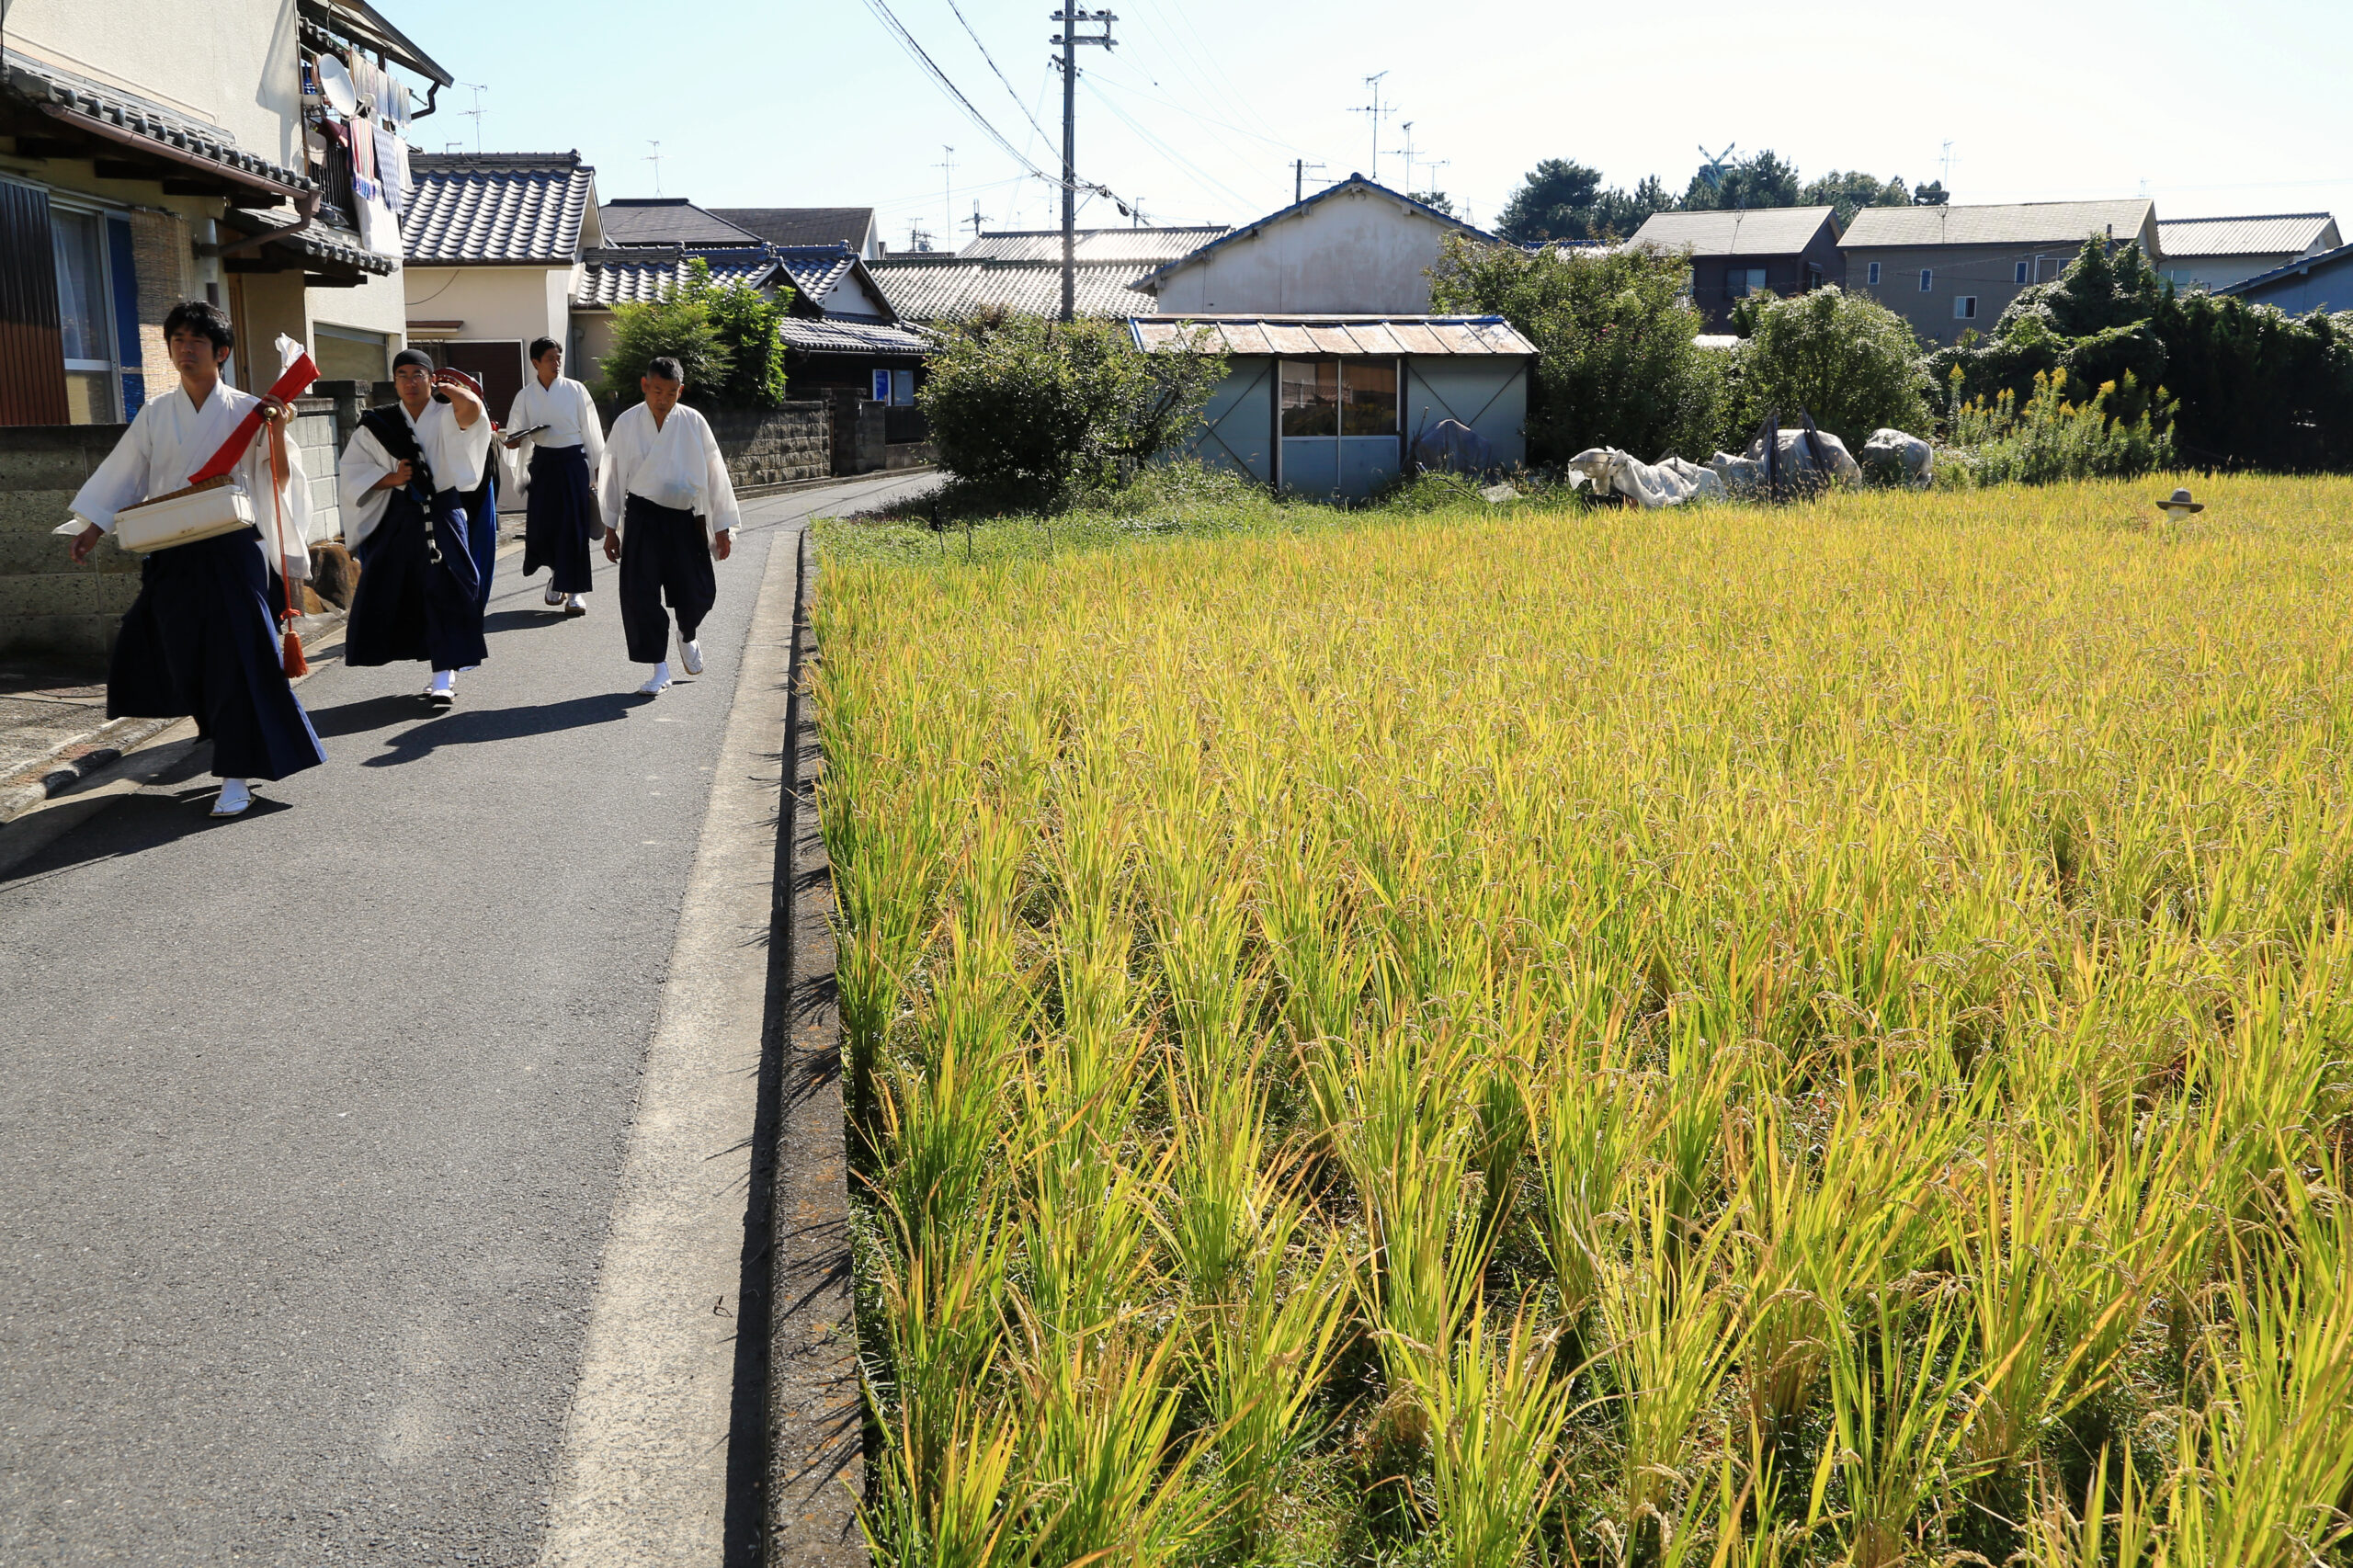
[676,465]
[171,439]
[456,457]
[567,410]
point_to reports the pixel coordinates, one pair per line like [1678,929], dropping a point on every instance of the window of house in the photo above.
[349,354]
[1368,397]
[1964,307]
[1741,282]
[1927,278]
[1874,279]
[84,308]
[1310,397]
[2019,274]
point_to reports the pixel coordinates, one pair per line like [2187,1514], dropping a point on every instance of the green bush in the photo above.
[1844,359]
[1615,363]
[724,335]
[1035,413]
[2054,439]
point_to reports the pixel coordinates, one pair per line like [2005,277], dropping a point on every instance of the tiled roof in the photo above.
[321,241]
[2026,223]
[1354,184]
[1763,231]
[950,289]
[497,207]
[1321,334]
[668,221]
[816,271]
[802,225]
[1146,247]
[633,274]
[2277,234]
[821,336]
[111,114]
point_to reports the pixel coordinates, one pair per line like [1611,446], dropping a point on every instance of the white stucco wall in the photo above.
[197,59]
[1356,251]
[521,303]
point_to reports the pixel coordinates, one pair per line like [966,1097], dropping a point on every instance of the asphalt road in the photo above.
[311,1121]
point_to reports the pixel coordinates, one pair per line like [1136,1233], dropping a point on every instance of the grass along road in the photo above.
[1727,1035]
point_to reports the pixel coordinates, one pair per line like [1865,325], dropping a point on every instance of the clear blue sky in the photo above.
[1198,113]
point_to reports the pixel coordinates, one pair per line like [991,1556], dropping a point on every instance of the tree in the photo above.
[1765,180]
[1931,195]
[1437,198]
[724,335]
[1554,202]
[1615,363]
[1847,360]
[1031,412]
[1851,191]
[1618,213]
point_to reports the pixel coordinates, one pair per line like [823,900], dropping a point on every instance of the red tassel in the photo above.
[295,664]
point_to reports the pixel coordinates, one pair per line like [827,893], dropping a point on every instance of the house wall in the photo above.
[493,303]
[1356,251]
[2212,271]
[1783,275]
[591,340]
[1987,271]
[2324,287]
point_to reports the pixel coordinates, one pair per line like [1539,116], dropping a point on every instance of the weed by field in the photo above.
[1730,1035]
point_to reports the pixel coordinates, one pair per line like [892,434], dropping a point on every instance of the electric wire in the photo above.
[999,75]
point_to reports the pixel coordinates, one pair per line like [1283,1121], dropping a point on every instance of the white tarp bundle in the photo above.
[1797,463]
[1892,454]
[1669,482]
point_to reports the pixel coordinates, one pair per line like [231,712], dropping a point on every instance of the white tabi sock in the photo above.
[659,681]
[234,797]
[552,597]
[690,654]
[576,599]
[444,680]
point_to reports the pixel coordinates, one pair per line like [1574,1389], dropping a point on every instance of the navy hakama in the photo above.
[201,640]
[481,530]
[408,605]
[665,554]
[560,517]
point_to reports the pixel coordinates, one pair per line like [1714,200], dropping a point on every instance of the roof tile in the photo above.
[501,207]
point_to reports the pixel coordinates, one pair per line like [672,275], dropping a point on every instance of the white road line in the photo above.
[643,1477]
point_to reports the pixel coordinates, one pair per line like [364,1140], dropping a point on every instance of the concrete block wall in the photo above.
[784,444]
[49,607]
[315,439]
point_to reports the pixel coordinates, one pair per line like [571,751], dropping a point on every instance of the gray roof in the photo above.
[950,288]
[818,336]
[668,221]
[113,114]
[802,225]
[319,240]
[1321,334]
[634,274]
[816,271]
[2023,223]
[1762,231]
[2329,258]
[1145,247]
[2275,234]
[1355,182]
[497,207]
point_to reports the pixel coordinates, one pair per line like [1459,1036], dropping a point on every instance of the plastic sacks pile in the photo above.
[1804,461]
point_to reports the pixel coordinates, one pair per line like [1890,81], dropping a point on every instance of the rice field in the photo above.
[1711,1037]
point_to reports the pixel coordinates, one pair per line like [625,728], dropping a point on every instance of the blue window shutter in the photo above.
[126,315]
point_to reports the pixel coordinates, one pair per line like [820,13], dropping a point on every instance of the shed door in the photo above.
[32,348]
[1339,426]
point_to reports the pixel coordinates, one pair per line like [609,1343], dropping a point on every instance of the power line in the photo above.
[907,42]
[1000,75]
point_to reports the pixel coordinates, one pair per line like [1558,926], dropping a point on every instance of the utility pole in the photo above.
[1068,40]
[1379,113]
[947,165]
[1299,167]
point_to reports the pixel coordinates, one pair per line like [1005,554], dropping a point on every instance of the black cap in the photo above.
[416,356]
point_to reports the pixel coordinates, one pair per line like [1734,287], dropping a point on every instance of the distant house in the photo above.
[1354,248]
[840,331]
[1952,269]
[1772,250]
[851,226]
[2322,282]
[1327,404]
[668,221]
[2206,253]
[1018,271]
[493,240]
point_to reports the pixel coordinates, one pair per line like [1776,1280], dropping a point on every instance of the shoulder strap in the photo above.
[391,430]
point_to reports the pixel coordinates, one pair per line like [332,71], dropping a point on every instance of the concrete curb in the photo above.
[754,491]
[815,1416]
[85,756]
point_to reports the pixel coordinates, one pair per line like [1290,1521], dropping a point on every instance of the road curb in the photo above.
[786,487]
[815,1418]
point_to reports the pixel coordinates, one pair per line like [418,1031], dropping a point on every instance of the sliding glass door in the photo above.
[1339,426]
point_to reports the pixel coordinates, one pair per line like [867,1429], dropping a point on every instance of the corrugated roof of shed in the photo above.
[2273,234]
[1360,336]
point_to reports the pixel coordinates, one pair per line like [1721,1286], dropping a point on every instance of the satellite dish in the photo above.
[335,83]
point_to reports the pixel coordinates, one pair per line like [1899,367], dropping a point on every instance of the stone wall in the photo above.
[49,606]
[860,439]
[787,443]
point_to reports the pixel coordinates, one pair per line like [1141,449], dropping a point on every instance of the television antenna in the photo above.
[1379,112]
[474,114]
[947,165]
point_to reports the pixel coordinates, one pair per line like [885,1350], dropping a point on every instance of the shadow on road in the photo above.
[136,823]
[464,727]
[370,713]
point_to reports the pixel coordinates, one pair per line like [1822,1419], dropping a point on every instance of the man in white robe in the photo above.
[554,429]
[404,473]
[201,639]
[669,512]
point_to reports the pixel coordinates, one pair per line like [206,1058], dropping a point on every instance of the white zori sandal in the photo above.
[235,796]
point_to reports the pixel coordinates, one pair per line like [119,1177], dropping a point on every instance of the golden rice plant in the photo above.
[1736,1035]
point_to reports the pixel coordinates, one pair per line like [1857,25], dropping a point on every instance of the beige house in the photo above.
[494,243]
[1953,269]
[1355,248]
[2208,253]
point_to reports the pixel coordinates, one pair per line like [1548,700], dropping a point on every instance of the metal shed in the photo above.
[1331,405]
